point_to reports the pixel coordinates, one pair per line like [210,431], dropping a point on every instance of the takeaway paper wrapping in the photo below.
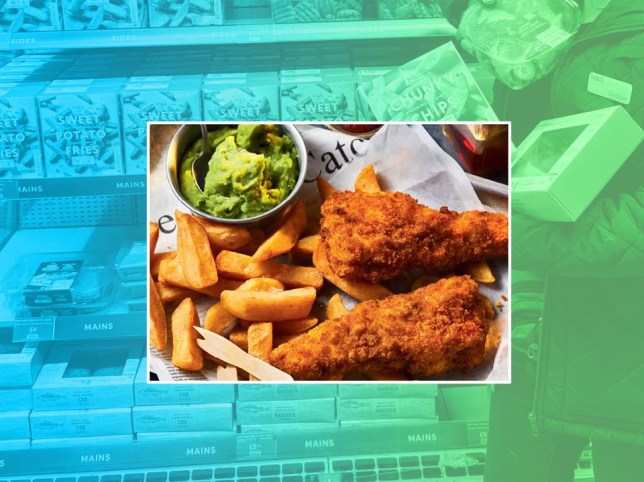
[406,159]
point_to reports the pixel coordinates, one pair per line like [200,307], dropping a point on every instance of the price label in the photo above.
[34,329]
[256,446]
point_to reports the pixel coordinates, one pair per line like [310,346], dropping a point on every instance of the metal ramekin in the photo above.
[186,137]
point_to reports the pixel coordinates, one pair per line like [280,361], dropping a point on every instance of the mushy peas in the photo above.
[253,169]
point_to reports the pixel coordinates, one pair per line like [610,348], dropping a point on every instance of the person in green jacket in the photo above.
[608,239]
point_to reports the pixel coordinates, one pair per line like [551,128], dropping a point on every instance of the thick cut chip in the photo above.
[294,327]
[240,266]
[170,272]
[286,236]
[172,294]
[480,272]
[269,306]
[335,308]
[194,252]
[225,236]
[186,353]
[157,324]
[219,319]
[305,247]
[155,262]
[260,341]
[325,188]
[367,180]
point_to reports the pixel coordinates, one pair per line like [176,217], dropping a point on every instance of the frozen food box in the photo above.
[156,98]
[80,376]
[178,393]
[434,87]
[30,16]
[14,424]
[189,13]
[397,9]
[132,261]
[305,11]
[80,423]
[364,75]
[57,284]
[81,129]
[286,411]
[520,40]
[20,146]
[183,418]
[19,362]
[241,97]
[103,14]
[367,74]
[287,427]
[563,164]
[317,94]
[387,390]
[15,399]
[386,408]
[259,392]
[134,289]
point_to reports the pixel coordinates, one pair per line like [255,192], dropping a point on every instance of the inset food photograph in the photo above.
[330,252]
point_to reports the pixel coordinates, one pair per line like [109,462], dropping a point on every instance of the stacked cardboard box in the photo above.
[131,268]
[86,115]
[276,408]
[81,127]
[155,98]
[85,391]
[19,366]
[167,410]
[361,405]
[248,97]
[317,94]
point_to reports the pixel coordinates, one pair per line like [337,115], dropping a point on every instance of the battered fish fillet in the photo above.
[378,236]
[433,330]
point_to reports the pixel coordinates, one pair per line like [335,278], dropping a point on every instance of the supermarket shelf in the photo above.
[116,323]
[229,34]
[70,186]
[113,322]
[223,448]
[109,325]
